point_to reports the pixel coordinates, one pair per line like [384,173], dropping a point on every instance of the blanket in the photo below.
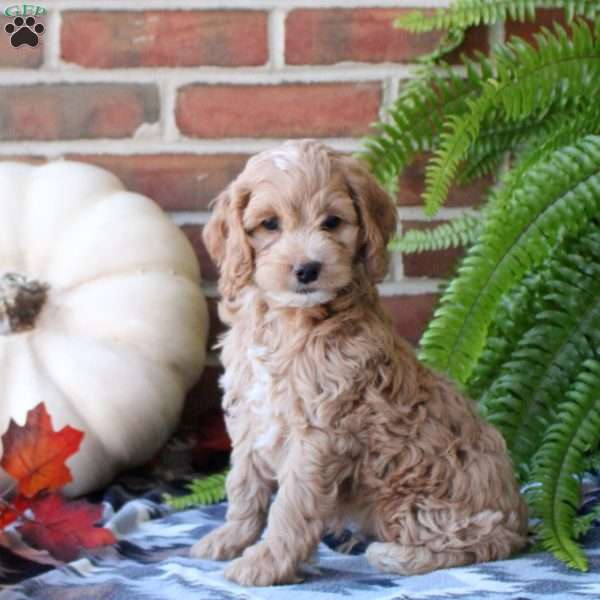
[151,562]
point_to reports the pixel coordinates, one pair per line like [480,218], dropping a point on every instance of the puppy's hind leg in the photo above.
[390,557]
[445,541]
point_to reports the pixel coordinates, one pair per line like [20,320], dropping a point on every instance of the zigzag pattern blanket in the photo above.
[151,563]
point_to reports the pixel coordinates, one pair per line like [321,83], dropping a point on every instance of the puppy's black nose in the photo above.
[307,272]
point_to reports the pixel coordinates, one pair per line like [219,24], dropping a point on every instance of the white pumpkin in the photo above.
[101,313]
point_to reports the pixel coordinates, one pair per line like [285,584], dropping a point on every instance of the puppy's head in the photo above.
[300,222]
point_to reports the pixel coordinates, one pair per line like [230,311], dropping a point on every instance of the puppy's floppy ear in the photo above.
[377,213]
[227,242]
[214,233]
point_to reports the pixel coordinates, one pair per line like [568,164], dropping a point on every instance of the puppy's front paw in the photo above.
[219,544]
[258,567]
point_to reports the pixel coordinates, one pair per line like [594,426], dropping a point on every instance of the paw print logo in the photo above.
[24,31]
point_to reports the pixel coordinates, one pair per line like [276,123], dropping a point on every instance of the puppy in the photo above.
[324,403]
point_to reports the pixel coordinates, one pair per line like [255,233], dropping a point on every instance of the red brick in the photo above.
[113,39]
[411,314]
[201,399]
[294,110]
[476,40]
[23,158]
[429,264]
[326,37]
[412,185]
[23,57]
[527,29]
[175,181]
[208,268]
[74,111]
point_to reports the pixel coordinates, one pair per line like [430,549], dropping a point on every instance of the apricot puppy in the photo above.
[324,403]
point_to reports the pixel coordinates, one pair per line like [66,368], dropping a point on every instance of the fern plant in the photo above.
[207,490]
[518,326]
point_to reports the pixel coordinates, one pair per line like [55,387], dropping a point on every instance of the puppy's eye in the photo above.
[331,222]
[272,223]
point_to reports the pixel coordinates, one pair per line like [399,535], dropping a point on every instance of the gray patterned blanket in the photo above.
[151,563]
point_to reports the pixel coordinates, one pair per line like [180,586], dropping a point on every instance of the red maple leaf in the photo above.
[11,511]
[35,454]
[63,527]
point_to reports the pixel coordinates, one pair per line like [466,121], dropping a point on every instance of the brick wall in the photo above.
[173,96]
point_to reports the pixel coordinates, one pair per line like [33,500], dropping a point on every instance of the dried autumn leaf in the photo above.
[35,454]
[11,511]
[7,515]
[63,527]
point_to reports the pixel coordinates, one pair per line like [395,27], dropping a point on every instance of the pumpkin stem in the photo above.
[21,300]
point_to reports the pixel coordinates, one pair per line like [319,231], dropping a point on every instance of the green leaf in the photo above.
[515,315]
[208,490]
[530,80]
[415,120]
[465,13]
[584,523]
[560,458]
[565,330]
[560,192]
[458,232]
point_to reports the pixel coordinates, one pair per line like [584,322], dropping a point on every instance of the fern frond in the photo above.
[483,165]
[458,232]
[208,490]
[565,331]
[560,128]
[556,131]
[592,459]
[497,138]
[529,80]
[459,134]
[414,121]
[584,523]
[515,316]
[465,13]
[525,136]
[560,457]
[561,191]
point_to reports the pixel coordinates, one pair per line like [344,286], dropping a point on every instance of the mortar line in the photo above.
[276,39]
[242,75]
[131,146]
[253,5]
[51,41]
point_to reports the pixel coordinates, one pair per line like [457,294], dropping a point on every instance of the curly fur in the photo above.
[325,404]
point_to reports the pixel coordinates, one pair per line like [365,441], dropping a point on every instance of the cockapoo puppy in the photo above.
[324,403]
